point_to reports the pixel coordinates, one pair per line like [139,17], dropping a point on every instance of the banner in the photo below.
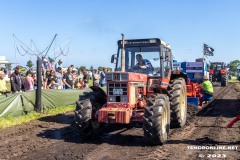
[194,67]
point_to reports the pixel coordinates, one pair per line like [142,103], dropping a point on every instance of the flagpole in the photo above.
[203,52]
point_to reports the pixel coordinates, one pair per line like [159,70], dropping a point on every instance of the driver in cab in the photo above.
[143,64]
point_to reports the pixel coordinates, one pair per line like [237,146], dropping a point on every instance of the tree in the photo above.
[91,68]
[30,64]
[100,68]
[82,68]
[8,66]
[233,65]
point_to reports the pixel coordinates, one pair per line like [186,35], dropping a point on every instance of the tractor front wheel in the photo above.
[86,114]
[156,119]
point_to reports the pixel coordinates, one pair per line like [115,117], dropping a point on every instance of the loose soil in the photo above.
[56,138]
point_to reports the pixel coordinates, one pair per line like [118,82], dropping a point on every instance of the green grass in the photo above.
[233,79]
[11,121]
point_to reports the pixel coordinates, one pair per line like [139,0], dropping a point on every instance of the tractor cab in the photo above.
[148,56]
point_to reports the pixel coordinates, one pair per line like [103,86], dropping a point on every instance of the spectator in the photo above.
[45,65]
[72,66]
[59,77]
[206,90]
[28,81]
[86,78]
[80,84]
[59,64]
[51,64]
[96,77]
[42,81]
[53,85]
[3,87]
[80,74]
[102,77]
[35,80]
[74,75]
[45,68]
[68,79]
[50,78]
[16,80]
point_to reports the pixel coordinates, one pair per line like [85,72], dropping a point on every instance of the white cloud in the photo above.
[86,21]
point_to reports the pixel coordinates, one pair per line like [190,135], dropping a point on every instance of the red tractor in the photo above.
[142,89]
[218,73]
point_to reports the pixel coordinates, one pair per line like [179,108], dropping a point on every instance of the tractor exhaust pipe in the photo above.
[123,54]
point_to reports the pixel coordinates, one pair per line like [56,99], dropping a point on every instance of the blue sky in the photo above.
[94,26]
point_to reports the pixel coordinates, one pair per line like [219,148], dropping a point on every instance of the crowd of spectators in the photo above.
[54,76]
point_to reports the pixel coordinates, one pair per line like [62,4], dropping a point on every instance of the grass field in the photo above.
[11,121]
[234,79]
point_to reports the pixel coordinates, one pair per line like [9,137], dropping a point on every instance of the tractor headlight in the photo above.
[112,99]
[124,99]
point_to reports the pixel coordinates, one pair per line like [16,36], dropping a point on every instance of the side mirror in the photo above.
[113,58]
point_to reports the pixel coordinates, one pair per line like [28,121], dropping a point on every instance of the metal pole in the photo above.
[123,54]
[50,44]
[204,52]
[39,85]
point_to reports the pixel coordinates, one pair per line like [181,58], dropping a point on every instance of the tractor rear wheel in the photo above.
[85,114]
[156,119]
[178,103]
[224,80]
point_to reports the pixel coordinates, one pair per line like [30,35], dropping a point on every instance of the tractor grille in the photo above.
[116,76]
[114,87]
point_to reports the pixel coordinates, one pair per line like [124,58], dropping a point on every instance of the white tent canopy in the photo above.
[5,62]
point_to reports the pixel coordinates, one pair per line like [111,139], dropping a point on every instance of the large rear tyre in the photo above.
[224,80]
[85,114]
[156,119]
[178,103]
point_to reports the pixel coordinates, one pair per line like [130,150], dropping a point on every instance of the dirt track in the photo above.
[55,137]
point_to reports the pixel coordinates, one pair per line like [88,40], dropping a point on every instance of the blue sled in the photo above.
[193,101]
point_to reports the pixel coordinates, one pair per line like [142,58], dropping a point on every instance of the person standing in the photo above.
[68,79]
[3,86]
[59,78]
[16,80]
[96,78]
[45,68]
[28,82]
[102,77]
[58,64]
[51,65]
[80,74]
[74,75]
[86,78]
[50,78]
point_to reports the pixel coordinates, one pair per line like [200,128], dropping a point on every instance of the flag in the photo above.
[208,51]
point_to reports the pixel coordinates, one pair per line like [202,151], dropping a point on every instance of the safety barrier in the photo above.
[21,103]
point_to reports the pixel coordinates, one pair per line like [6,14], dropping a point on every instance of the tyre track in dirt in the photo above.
[195,134]
[56,138]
